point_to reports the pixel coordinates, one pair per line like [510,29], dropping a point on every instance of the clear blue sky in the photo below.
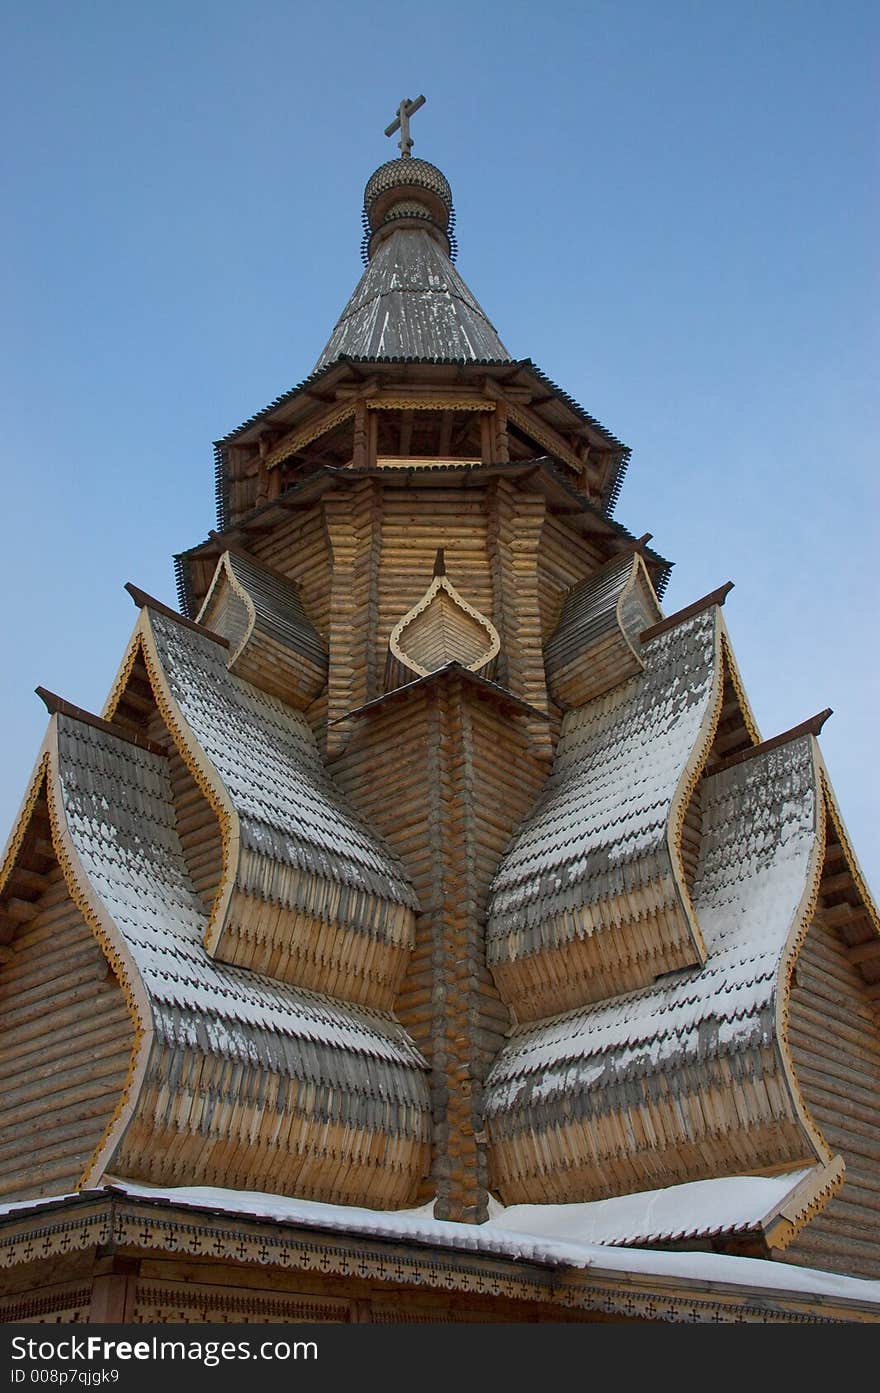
[669,206]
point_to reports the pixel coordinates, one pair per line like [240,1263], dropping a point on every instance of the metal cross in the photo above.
[401,123]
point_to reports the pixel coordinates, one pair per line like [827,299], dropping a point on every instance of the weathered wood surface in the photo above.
[835,1041]
[64,1050]
[446,778]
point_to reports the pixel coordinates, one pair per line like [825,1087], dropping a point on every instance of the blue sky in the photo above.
[669,206]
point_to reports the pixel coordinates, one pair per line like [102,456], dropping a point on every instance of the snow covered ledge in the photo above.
[528,1258]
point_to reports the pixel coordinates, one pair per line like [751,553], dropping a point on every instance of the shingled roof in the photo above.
[596,856]
[412,303]
[758,867]
[230,1058]
[290,813]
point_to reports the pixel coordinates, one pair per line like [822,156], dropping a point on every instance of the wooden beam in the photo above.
[864,952]
[28,882]
[20,911]
[810,727]
[57,706]
[715,597]
[838,916]
[834,884]
[145,601]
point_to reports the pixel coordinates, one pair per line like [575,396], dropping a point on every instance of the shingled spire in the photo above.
[411,302]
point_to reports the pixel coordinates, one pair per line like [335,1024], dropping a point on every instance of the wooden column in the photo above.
[502,445]
[113,1290]
[347,681]
[361,436]
[446,774]
[516,521]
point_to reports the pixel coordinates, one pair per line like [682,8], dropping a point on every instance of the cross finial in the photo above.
[401,123]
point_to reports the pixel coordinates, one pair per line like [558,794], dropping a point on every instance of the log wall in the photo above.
[64,1049]
[414,523]
[446,776]
[835,1042]
[565,558]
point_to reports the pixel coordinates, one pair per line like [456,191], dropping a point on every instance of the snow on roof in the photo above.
[499,1237]
[120,813]
[267,757]
[599,829]
[729,1204]
[759,833]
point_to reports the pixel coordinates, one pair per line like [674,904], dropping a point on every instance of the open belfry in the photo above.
[424,930]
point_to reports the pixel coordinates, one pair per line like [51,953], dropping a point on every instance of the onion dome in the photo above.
[408,193]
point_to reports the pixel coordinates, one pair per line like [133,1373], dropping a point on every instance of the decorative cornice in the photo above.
[102,1219]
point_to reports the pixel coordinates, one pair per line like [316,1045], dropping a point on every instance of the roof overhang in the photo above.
[397,1251]
[521,381]
[542,474]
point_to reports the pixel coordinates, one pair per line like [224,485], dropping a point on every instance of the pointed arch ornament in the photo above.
[440,628]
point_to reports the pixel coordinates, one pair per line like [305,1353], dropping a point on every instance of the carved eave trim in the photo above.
[782,1224]
[101,1219]
[397,401]
[800,926]
[297,440]
[143,644]
[439,583]
[47,780]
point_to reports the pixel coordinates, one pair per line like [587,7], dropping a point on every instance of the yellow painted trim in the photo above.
[801,923]
[545,436]
[852,863]
[297,439]
[691,775]
[203,772]
[413,403]
[736,682]
[22,821]
[783,1223]
[225,570]
[628,585]
[437,584]
[116,952]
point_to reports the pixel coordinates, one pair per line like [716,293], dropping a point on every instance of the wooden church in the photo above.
[424,931]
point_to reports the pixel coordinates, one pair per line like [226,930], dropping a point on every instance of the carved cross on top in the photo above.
[401,123]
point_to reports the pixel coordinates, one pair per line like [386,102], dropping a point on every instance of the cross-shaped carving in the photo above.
[401,123]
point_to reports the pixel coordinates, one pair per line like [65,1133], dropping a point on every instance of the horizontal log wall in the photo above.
[278,669]
[565,558]
[65,1047]
[414,523]
[299,549]
[516,527]
[835,1041]
[352,527]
